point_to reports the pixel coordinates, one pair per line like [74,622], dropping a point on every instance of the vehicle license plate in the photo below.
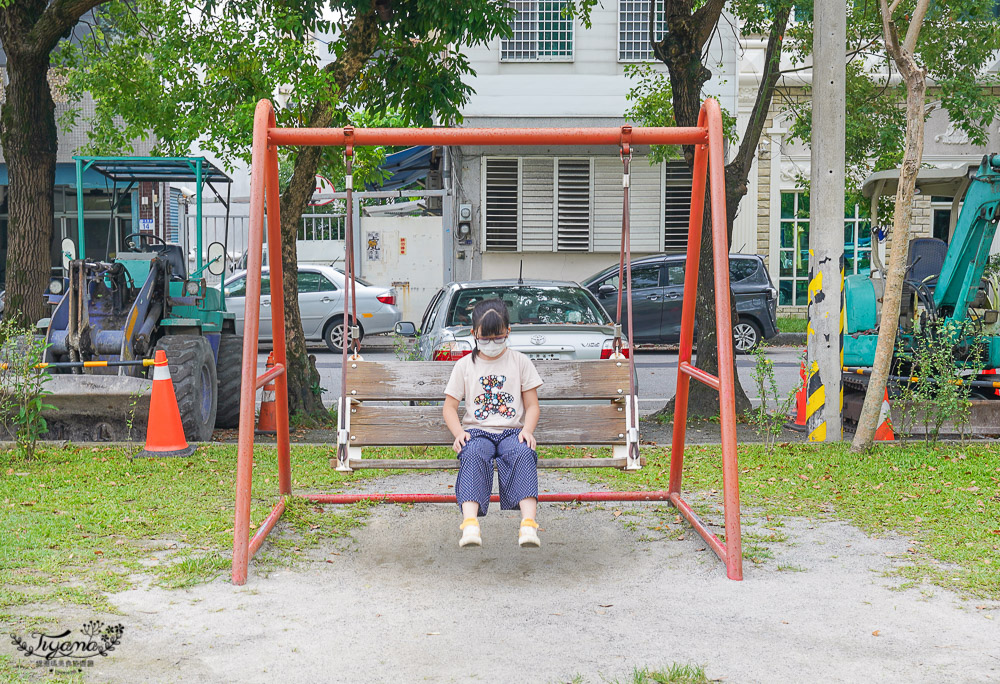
[552,356]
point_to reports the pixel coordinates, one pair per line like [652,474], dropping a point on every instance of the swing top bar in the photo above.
[485,136]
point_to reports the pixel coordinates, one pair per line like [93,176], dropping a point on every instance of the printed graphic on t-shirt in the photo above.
[493,399]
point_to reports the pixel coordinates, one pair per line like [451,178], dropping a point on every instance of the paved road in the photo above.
[657,373]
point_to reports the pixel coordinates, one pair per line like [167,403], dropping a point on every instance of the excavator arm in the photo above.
[969,248]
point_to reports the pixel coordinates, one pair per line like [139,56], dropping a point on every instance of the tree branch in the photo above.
[765,92]
[889,30]
[652,26]
[60,17]
[916,23]
[706,17]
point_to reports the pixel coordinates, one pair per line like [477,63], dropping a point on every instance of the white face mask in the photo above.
[491,348]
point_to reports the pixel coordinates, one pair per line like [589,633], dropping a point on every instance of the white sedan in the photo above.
[321,303]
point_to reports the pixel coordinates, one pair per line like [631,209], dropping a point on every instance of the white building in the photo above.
[558,210]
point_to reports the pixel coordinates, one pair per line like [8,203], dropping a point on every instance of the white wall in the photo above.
[547,265]
[417,274]
[592,85]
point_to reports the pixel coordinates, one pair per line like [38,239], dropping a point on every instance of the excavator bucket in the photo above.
[97,408]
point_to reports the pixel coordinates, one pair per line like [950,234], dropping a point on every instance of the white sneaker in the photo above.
[528,537]
[470,533]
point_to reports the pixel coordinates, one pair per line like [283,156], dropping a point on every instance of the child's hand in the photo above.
[527,438]
[460,441]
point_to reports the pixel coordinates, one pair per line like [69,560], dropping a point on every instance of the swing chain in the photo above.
[625,269]
[343,433]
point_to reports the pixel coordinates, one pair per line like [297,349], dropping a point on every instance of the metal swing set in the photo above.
[616,423]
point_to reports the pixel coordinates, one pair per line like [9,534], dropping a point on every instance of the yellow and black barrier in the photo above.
[856,370]
[86,364]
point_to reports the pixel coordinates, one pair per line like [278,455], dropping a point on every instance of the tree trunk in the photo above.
[362,40]
[681,51]
[915,78]
[28,136]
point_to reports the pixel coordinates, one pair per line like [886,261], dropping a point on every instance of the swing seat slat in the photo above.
[426,380]
[419,425]
[452,463]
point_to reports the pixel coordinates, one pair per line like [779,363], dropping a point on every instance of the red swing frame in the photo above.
[264,200]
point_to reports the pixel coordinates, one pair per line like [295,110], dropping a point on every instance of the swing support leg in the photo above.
[708,157]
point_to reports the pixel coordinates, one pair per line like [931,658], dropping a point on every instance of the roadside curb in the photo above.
[789,339]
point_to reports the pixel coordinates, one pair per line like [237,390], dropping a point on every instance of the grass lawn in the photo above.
[792,324]
[78,522]
[946,497]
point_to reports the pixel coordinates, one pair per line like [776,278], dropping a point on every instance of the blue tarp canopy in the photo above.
[66,175]
[406,167]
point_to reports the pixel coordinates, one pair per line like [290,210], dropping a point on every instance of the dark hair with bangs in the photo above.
[489,319]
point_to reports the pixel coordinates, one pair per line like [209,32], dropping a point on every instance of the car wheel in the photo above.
[746,336]
[334,334]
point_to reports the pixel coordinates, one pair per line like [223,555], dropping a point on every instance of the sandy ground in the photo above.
[401,602]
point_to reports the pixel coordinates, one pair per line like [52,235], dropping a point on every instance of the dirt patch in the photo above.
[613,587]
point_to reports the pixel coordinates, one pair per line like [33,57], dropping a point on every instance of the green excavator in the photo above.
[944,290]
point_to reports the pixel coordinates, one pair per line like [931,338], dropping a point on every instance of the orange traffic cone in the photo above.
[883,433]
[165,433]
[800,399]
[267,423]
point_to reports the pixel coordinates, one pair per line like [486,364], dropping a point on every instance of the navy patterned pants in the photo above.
[516,465]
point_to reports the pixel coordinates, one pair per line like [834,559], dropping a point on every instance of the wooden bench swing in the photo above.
[364,424]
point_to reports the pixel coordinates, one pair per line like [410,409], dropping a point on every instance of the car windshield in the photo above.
[530,304]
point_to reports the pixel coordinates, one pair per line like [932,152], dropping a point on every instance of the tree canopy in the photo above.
[957,47]
[186,74]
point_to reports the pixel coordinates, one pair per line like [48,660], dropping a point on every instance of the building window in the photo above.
[633,30]
[677,206]
[941,214]
[502,197]
[857,241]
[573,214]
[540,33]
[793,252]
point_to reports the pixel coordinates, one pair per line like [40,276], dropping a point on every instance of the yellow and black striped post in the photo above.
[823,422]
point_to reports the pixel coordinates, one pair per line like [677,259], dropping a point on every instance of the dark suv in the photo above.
[658,294]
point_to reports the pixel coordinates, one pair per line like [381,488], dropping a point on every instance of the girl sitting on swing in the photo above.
[500,388]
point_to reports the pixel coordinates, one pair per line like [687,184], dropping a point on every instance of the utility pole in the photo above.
[824,356]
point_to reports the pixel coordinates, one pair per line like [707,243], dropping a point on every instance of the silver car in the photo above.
[549,320]
[321,303]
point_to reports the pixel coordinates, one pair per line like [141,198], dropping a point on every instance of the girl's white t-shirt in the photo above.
[492,389]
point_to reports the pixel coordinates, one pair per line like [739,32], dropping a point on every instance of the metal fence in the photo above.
[315,228]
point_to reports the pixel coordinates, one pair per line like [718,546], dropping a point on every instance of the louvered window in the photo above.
[677,206]
[502,215]
[573,205]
